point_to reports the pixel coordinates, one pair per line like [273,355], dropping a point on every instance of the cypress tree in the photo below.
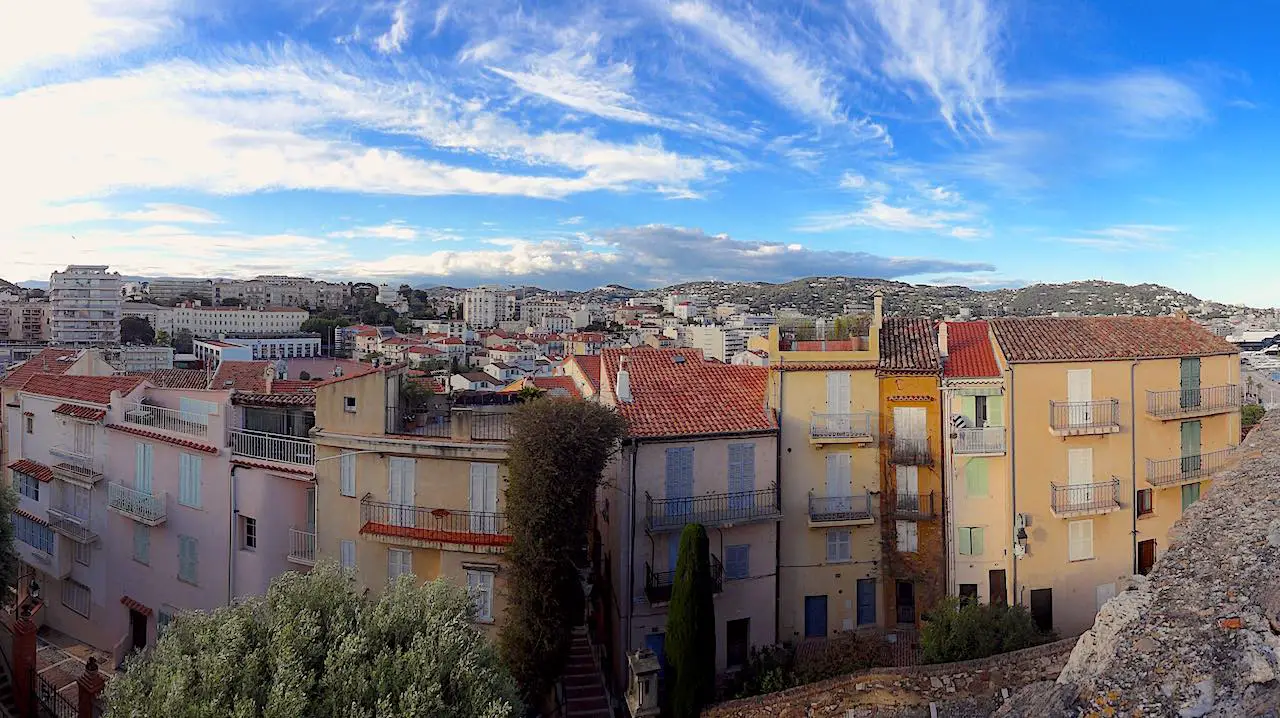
[691,627]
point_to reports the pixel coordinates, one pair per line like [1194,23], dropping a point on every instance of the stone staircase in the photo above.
[584,690]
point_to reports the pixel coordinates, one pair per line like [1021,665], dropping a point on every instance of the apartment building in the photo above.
[1116,423]
[824,387]
[23,320]
[48,360]
[977,488]
[701,448]
[909,374]
[172,289]
[84,306]
[487,306]
[401,492]
[247,348]
[283,291]
[718,342]
[205,321]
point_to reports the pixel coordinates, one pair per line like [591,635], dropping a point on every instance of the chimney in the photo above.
[622,387]
[942,340]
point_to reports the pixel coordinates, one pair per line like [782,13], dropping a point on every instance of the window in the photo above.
[737,642]
[348,464]
[908,538]
[189,467]
[1190,494]
[480,584]
[969,592]
[164,618]
[975,478]
[82,551]
[349,404]
[1145,504]
[970,540]
[37,536]
[188,559]
[348,554]
[399,563]
[31,424]
[76,597]
[142,543]
[1080,540]
[28,486]
[980,411]
[737,561]
[839,547]
[248,533]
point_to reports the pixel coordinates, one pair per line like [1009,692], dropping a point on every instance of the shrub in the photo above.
[958,630]
[1251,414]
[844,653]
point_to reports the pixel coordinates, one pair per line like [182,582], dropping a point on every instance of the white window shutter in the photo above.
[348,462]
[348,554]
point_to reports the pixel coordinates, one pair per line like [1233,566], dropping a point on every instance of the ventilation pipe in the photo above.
[622,387]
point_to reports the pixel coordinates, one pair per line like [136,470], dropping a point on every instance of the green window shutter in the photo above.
[967,407]
[995,410]
[975,541]
[1190,494]
[975,477]
[966,543]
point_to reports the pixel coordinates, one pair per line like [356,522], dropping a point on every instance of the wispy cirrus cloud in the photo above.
[399,230]
[392,41]
[876,213]
[1123,237]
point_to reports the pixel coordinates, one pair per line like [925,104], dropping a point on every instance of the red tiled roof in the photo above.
[460,537]
[909,344]
[46,362]
[292,386]
[590,365]
[826,366]
[175,378]
[242,375]
[504,348]
[135,606]
[371,332]
[271,466]
[969,351]
[81,412]
[424,350]
[553,385]
[676,392]
[92,389]
[248,398]
[398,341]
[452,341]
[33,469]
[354,372]
[186,443]
[1047,339]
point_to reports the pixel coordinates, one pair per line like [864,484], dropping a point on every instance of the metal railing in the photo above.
[64,521]
[987,440]
[80,462]
[418,424]
[1072,498]
[302,546]
[711,509]
[433,524]
[52,703]
[272,447]
[1101,414]
[490,427]
[913,506]
[859,425]
[658,584]
[146,508]
[1176,402]
[1187,468]
[191,423]
[840,508]
[911,451]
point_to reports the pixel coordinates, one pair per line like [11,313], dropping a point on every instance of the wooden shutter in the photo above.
[965,541]
[348,553]
[975,478]
[976,536]
[142,467]
[1080,538]
[348,464]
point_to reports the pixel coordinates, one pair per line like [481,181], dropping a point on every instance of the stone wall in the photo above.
[886,690]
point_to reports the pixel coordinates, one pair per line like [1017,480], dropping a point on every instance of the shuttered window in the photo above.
[348,551]
[1080,540]
[142,543]
[399,563]
[348,465]
[839,546]
[908,539]
[142,467]
[975,478]
[188,559]
[76,596]
[480,584]
[970,540]
[737,561]
[189,470]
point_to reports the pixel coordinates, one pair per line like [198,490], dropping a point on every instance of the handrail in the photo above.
[1175,402]
[272,447]
[982,440]
[729,506]
[1085,497]
[840,508]
[448,525]
[1099,414]
[848,425]
[1167,472]
[191,423]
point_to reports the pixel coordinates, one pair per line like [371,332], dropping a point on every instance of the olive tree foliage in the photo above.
[316,646]
[556,454]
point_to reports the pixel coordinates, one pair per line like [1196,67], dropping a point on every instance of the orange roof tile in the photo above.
[242,375]
[1049,339]
[676,392]
[554,386]
[826,366]
[969,351]
[176,378]
[77,411]
[134,605]
[33,469]
[909,344]
[292,386]
[92,389]
[48,361]
[590,365]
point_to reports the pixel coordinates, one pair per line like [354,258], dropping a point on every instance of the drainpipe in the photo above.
[1013,485]
[631,550]
[777,525]
[1133,464]
[231,556]
[948,471]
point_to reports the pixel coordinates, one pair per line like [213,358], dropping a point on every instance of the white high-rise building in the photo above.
[486,306]
[84,306]
[717,342]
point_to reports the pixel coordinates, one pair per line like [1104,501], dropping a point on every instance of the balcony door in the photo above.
[1189,382]
[143,457]
[1079,476]
[83,439]
[1191,447]
[400,492]
[839,482]
[484,498]
[839,400]
[1079,394]
[908,481]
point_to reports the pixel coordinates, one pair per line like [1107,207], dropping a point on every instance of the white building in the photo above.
[387,294]
[214,351]
[533,309]
[749,321]
[555,323]
[281,291]
[484,307]
[716,342]
[135,358]
[84,303]
[697,303]
[212,321]
[448,327]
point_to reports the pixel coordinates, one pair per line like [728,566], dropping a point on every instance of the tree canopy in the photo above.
[8,557]
[691,626]
[136,330]
[317,647]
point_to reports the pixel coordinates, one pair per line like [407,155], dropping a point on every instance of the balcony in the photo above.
[987,441]
[64,521]
[727,509]
[458,425]
[1079,418]
[1187,403]
[658,584]
[914,507]
[302,547]
[272,447]
[910,451]
[1187,469]
[827,511]
[149,509]
[78,467]
[856,428]
[187,423]
[1071,500]
[425,527]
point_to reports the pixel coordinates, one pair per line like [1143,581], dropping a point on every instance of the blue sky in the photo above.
[572,144]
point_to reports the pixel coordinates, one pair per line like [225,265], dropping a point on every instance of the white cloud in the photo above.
[177,213]
[575,220]
[393,39]
[878,214]
[397,230]
[856,182]
[1143,103]
[940,194]
[1123,237]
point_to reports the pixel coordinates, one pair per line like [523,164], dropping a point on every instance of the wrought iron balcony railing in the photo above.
[911,451]
[1186,469]
[149,509]
[1199,401]
[914,507]
[658,584]
[840,509]
[1085,417]
[433,525]
[671,514]
[1079,499]
[847,427]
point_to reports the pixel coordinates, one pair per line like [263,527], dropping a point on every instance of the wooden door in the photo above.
[1146,556]
[999,595]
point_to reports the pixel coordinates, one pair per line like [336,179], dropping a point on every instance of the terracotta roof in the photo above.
[92,389]
[249,398]
[46,362]
[133,605]
[590,366]
[476,376]
[33,469]
[77,411]
[425,350]
[675,392]
[354,372]
[423,534]
[272,466]
[555,386]
[825,366]
[293,386]
[398,341]
[186,443]
[909,344]
[242,375]
[969,351]
[1047,339]
[175,378]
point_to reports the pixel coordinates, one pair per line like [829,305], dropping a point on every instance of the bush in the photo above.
[1251,414]
[958,630]
[844,653]
[768,669]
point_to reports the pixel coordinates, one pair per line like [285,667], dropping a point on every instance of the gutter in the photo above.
[1133,467]
[631,549]
[1013,485]
[235,516]
[777,526]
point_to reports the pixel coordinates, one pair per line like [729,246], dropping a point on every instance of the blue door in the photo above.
[815,616]
[679,484]
[866,601]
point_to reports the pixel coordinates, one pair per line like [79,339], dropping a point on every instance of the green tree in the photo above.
[958,630]
[529,392]
[231,302]
[163,339]
[317,647]
[8,557]
[183,341]
[557,452]
[136,330]
[1251,414]
[691,627]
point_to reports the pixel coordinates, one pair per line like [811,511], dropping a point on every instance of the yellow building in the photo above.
[399,493]
[823,385]
[911,497]
[1115,425]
